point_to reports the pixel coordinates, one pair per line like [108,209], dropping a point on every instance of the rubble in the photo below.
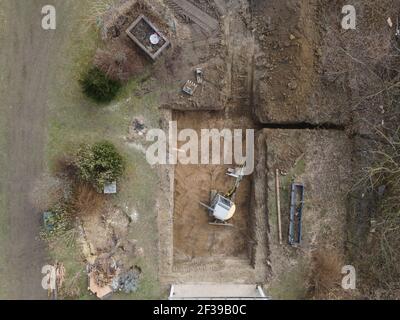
[106,276]
[127,282]
[137,129]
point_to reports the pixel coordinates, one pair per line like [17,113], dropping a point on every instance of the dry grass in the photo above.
[326,275]
[366,60]
[97,10]
[87,201]
[64,167]
[119,61]
[84,199]
[380,260]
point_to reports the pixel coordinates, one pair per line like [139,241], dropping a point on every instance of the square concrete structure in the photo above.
[140,32]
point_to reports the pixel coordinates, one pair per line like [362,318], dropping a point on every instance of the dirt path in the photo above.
[27,54]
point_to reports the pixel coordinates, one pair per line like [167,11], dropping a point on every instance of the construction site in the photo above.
[219,41]
[250,65]
[318,99]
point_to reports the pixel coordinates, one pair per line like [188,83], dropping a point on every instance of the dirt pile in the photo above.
[289,85]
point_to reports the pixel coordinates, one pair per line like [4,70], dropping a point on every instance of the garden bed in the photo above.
[141,30]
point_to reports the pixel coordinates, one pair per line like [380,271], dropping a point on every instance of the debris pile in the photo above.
[109,253]
[106,276]
[103,271]
[137,128]
[128,281]
[101,275]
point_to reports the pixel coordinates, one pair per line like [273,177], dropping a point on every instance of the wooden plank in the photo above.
[278,205]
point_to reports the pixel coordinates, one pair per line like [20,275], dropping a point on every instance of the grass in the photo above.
[4,229]
[74,119]
[3,209]
[68,253]
[379,260]
[325,277]
[292,284]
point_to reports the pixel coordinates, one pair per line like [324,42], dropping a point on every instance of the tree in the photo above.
[99,164]
[98,86]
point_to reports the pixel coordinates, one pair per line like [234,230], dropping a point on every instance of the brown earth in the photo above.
[193,236]
[288,73]
[191,248]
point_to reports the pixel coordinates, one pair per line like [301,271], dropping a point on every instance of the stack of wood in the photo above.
[101,275]
[104,270]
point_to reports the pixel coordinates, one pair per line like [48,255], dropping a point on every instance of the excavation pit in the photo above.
[194,237]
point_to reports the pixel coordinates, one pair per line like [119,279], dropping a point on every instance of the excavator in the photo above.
[222,207]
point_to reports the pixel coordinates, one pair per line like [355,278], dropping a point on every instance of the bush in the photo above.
[99,164]
[119,61]
[57,223]
[325,277]
[98,86]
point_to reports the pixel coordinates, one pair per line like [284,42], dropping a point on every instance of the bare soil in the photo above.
[191,249]
[193,236]
[288,67]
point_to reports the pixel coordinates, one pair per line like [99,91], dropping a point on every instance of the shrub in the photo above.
[99,164]
[325,274]
[64,167]
[57,223]
[98,86]
[119,61]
